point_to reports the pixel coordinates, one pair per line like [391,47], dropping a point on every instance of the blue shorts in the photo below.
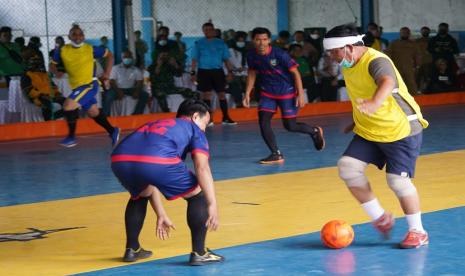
[85,94]
[285,103]
[173,180]
[399,157]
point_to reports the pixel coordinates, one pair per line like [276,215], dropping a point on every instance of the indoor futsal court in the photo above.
[62,210]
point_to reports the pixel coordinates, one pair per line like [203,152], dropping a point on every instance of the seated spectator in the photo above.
[21,43]
[328,70]
[11,61]
[126,79]
[38,88]
[282,41]
[33,51]
[236,86]
[305,70]
[163,44]
[162,74]
[443,79]
[461,73]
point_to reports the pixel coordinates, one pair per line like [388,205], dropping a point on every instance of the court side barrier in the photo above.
[21,131]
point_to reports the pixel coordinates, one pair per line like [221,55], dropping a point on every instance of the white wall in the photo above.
[188,16]
[394,14]
[321,13]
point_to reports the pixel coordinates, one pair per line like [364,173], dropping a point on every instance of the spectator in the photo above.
[444,46]
[11,62]
[328,70]
[404,53]
[141,50]
[208,55]
[33,51]
[282,41]
[182,49]
[163,44]
[316,41]
[238,60]
[21,43]
[305,70]
[425,60]
[162,74]
[372,38]
[126,79]
[443,79]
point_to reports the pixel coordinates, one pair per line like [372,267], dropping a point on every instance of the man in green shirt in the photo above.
[10,56]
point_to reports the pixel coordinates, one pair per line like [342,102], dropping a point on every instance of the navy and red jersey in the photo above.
[162,142]
[273,70]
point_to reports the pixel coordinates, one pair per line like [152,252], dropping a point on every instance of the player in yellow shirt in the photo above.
[388,127]
[78,59]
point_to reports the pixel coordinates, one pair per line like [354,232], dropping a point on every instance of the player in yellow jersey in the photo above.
[388,127]
[78,59]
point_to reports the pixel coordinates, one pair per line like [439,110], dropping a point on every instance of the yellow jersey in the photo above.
[79,62]
[389,123]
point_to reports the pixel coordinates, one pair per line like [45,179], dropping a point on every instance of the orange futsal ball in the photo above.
[337,234]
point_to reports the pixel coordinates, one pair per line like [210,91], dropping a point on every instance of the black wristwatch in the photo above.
[192,72]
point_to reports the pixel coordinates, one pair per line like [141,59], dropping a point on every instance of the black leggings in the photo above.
[290,124]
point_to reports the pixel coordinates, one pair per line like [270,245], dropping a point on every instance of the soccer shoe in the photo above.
[414,239]
[115,136]
[384,224]
[274,158]
[318,138]
[131,255]
[229,122]
[68,142]
[207,258]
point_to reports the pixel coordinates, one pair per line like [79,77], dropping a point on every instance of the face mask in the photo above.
[300,43]
[77,45]
[240,44]
[162,42]
[315,36]
[127,61]
[345,63]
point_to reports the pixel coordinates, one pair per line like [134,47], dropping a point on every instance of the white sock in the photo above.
[414,222]
[373,209]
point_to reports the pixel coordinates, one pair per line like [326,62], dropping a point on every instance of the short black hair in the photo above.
[164,28]
[344,30]
[240,34]
[190,106]
[284,33]
[5,29]
[425,28]
[444,24]
[208,24]
[293,46]
[260,30]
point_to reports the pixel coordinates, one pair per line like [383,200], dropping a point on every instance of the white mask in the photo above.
[162,42]
[240,44]
[77,45]
[315,36]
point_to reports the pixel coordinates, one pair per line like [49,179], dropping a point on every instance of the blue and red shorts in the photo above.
[85,94]
[270,103]
[170,175]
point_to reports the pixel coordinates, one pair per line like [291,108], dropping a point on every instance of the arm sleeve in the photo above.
[100,52]
[380,67]
[139,75]
[199,143]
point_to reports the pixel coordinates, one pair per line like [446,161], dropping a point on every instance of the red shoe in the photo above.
[414,239]
[384,224]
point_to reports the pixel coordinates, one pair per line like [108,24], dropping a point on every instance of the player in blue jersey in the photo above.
[150,162]
[280,85]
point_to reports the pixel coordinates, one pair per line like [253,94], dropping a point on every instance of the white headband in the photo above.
[339,42]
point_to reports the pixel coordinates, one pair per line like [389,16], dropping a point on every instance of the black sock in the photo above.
[71,118]
[134,220]
[224,108]
[290,124]
[101,119]
[197,215]
[264,119]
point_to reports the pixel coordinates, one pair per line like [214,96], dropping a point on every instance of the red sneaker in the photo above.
[414,239]
[384,224]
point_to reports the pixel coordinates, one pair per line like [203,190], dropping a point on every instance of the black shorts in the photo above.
[211,79]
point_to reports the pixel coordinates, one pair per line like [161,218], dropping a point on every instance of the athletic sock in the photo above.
[101,119]
[414,222]
[373,209]
[197,215]
[224,109]
[71,117]
[134,220]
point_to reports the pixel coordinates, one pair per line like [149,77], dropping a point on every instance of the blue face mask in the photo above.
[127,61]
[345,63]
